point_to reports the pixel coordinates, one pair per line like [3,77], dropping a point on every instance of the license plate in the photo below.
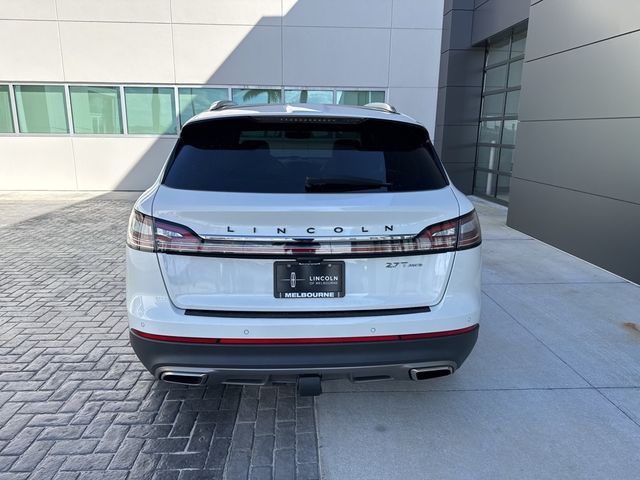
[308,280]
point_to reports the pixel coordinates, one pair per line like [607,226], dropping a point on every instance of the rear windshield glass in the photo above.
[245,155]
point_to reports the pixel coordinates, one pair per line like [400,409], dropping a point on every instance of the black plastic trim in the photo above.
[317,314]
[155,354]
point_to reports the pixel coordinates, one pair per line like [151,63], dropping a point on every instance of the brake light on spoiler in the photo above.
[156,235]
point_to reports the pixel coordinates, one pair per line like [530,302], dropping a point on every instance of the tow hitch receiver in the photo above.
[309,385]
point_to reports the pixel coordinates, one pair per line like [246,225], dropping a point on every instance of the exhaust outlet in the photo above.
[183,378]
[430,372]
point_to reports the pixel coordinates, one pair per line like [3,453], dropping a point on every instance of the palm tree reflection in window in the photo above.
[257,95]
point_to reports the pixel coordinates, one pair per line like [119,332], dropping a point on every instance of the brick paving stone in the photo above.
[76,404]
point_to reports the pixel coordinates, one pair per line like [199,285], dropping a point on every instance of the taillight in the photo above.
[439,237]
[149,234]
[140,233]
[174,238]
[469,234]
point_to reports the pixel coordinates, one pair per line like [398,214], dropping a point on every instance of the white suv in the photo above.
[300,243]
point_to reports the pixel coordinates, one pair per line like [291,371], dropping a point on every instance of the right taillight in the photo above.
[457,234]
[469,234]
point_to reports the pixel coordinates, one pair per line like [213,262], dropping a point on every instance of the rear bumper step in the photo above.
[322,314]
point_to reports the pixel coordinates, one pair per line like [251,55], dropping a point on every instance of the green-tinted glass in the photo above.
[41,109]
[515,73]
[509,132]
[255,96]
[490,131]
[519,43]
[492,105]
[196,100]
[498,50]
[6,120]
[308,96]
[95,109]
[485,183]
[506,160]
[495,78]
[150,110]
[502,190]
[359,97]
[513,99]
[488,157]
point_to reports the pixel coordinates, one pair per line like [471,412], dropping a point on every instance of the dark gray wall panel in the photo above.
[600,230]
[462,68]
[459,143]
[458,4]
[594,81]
[456,30]
[572,23]
[596,156]
[463,105]
[461,175]
[494,16]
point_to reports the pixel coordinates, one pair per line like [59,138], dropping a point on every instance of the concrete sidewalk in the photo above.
[552,389]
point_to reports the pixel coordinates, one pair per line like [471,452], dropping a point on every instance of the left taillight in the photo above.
[140,232]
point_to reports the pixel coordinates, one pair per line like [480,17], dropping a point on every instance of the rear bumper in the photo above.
[260,364]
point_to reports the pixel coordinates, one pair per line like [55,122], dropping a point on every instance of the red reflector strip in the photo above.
[170,338]
[284,341]
[379,338]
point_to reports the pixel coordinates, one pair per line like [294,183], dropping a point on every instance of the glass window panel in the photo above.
[6,120]
[502,190]
[490,131]
[150,110]
[255,96]
[308,96]
[498,50]
[358,97]
[492,105]
[41,109]
[518,44]
[495,78]
[506,160]
[513,100]
[95,109]
[485,183]
[196,100]
[509,132]
[488,157]
[515,73]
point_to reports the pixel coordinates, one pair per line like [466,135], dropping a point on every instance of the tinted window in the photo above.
[253,156]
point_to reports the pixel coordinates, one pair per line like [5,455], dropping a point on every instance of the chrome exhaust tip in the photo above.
[183,378]
[430,372]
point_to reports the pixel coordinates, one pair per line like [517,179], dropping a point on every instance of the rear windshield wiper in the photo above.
[342,184]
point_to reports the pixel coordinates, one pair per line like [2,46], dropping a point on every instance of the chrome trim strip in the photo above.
[298,240]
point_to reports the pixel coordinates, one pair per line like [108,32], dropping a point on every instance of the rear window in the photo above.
[268,156]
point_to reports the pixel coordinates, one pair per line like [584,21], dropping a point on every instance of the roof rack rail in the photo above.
[385,107]
[221,104]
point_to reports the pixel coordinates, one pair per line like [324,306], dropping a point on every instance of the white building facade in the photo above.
[93,92]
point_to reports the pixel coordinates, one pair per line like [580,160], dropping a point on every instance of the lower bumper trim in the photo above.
[223,362]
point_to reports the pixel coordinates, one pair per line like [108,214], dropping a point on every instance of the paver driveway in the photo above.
[552,389]
[74,401]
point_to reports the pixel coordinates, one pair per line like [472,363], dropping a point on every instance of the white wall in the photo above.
[391,45]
